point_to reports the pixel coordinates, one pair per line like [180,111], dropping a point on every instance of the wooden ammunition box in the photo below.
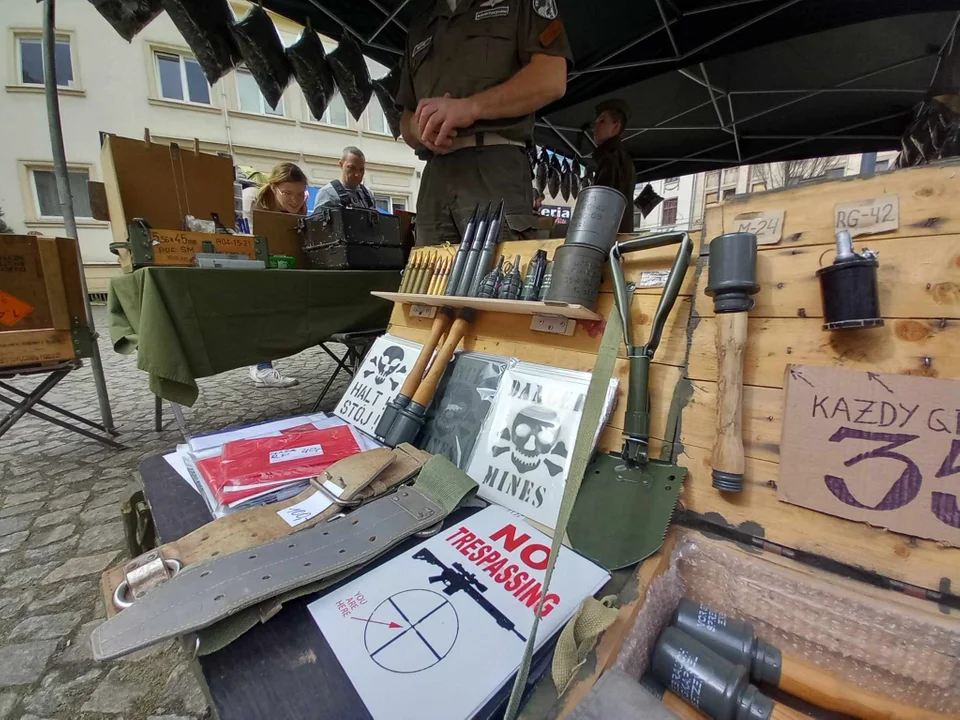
[42,316]
[178,247]
[886,589]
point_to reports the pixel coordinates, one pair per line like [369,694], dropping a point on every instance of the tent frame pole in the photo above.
[49,47]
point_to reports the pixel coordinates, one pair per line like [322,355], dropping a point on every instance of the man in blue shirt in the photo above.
[349,190]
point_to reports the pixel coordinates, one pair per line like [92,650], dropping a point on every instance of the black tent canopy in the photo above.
[715,83]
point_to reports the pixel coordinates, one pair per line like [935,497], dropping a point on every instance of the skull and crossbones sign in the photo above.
[532,440]
[388,364]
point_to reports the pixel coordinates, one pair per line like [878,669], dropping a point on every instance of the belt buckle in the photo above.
[339,502]
[143,574]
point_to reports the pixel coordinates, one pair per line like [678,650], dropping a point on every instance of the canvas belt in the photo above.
[360,477]
[200,596]
[482,139]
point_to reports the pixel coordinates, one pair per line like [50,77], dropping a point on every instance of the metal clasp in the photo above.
[316,483]
[143,574]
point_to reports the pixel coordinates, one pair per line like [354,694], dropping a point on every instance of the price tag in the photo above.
[309,508]
[767,225]
[868,217]
[296,453]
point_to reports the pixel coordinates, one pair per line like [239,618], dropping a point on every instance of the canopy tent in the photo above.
[714,84]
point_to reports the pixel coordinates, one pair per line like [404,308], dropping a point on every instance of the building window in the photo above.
[669,216]
[399,204]
[729,193]
[671,183]
[30,58]
[251,99]
[712,198]
[758,187]
[730,176]
[376,119]
[713,179]
[48,200]
[181,78]
[835,172]
[881,165]
[336,112]
[389,204]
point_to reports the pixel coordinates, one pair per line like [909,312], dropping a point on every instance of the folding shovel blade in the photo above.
[622,512]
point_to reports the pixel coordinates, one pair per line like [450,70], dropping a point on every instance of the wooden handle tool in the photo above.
[428,386]
[441,323]
[733,268]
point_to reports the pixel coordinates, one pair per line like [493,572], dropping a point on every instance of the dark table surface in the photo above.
[283,669]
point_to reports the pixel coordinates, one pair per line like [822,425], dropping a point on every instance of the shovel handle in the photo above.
[728,447]
[831,693]
[428,387]
[440,324]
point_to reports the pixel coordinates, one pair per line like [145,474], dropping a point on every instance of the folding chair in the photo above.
[357,344]
[23,403]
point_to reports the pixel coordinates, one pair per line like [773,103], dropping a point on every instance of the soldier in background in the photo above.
[614,166]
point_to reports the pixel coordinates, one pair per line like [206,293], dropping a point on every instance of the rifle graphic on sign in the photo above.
[457,579]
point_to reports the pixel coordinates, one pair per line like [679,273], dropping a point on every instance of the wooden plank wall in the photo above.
[511,336]
[920,301]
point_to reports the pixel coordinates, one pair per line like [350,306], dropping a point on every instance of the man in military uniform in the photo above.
[474,74]
[614,166]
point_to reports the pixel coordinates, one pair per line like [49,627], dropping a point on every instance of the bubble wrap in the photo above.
[880,640]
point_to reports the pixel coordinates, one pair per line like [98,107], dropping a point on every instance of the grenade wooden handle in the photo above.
[826,690]
[440,324]
[728,447]
[428,387]
[782,712]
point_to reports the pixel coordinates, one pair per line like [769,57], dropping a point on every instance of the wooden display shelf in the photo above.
[513,307]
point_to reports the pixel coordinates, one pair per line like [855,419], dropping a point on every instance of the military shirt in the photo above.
[481,44]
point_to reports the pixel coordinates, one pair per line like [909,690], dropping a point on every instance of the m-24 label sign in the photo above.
[873,447]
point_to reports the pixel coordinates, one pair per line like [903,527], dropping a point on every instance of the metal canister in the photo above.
[577,273]
[596,218]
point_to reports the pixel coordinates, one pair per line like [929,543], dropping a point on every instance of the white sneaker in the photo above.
[271,377]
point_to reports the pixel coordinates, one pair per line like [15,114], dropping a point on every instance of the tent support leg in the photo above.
[66,199]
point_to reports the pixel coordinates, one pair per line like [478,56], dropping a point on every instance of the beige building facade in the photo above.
[109,85]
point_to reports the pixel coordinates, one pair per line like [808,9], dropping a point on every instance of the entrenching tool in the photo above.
[627,500]
[441,324]
[732,282]
[736,641]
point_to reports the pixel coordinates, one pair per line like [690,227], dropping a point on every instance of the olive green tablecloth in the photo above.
[188,323]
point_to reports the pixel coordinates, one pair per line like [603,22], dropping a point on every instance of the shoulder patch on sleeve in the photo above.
[551,33]
[546,9]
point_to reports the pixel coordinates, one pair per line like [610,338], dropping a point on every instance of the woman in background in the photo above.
[285,191]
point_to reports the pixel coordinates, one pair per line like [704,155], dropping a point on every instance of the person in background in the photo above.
[349,191]
[615,167]
[537,201]
[285,191]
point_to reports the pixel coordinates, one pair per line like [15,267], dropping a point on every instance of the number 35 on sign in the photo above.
[877,448]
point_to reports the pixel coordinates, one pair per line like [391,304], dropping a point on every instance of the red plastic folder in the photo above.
[250,467]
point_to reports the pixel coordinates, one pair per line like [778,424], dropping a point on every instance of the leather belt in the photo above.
[483,139]
[206,593]
[359,477]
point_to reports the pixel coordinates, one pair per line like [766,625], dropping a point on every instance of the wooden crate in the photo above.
[41,300]
[161,184]
[162,247]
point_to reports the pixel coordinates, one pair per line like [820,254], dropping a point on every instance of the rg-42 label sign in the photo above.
[873,447]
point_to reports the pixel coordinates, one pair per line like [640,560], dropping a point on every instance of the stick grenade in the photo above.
[410,418]
[732,282]
[675,704]
[710,682]
[490,243]
[460,260]
[736,641]
[440,325]
[473,256]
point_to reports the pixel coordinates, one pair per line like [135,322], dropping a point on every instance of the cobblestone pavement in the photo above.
[60,527]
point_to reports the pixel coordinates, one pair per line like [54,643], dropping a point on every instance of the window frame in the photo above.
[663,211]
[156,52]
[326,113]
[19,34]
[265,109]
[31,198]
[369,117]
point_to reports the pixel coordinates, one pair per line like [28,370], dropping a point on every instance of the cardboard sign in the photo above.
[767,225]
[13,309]
[868,217]
[377,382]
[876,448]
[435,632]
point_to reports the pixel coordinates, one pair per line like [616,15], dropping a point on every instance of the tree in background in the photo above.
[4,228]
[791,172]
